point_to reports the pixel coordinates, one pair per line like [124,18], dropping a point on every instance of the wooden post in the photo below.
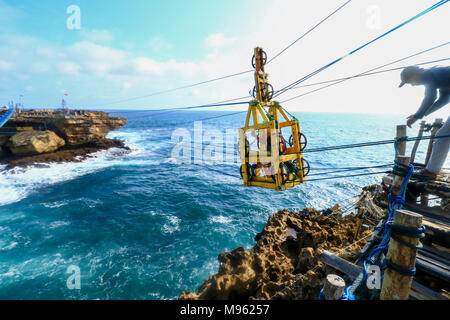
[424,198]
[434,130]
[395,285]
[416,144]
[398,179]
[334,287]
[401,132]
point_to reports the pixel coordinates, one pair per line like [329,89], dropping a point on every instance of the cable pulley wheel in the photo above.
[266,94]
[263,59]
[306,167]
[284,170]
[303,141]
[251,171]
[247,148]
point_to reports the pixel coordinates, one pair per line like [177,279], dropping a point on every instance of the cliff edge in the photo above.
[38,136]
[284,263]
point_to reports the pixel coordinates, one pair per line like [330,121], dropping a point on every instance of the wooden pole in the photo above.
[416,144]
[436,127]
[401,132]
[334,287]
[398,179]
[418,291]
[397,286]
[424,198]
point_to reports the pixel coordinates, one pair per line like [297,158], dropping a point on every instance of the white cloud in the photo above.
[93,59]
[97,36]
[39,67]
[158,44]
[69,68]
[4,66]
[218,40]
[127,85]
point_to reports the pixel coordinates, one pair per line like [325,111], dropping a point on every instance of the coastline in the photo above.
[65,154]
[37,137]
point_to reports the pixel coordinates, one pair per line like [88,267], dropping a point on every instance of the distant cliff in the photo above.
[53,135]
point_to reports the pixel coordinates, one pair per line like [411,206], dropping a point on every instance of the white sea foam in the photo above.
[56,204]
[172,225]
[58,224]
[16,184]
[12,245]
[220,219]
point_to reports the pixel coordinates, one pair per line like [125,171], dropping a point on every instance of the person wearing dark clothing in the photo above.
[434,79]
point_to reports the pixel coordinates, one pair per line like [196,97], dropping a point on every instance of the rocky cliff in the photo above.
[52,135]
[284,263]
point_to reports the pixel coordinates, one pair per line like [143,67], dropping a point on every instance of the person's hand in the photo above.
[411,121]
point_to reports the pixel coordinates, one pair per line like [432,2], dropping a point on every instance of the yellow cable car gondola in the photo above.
[274,164]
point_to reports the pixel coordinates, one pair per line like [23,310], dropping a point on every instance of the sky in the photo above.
[123,50]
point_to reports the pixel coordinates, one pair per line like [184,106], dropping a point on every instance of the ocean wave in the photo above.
[220,219]
[18,183]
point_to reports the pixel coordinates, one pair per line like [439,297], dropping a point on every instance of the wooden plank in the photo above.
[288,124]
[340,264]
[262,185]
[436,226]
[440,254]
[259,126]
[428,210]
[433,269]
[418,291]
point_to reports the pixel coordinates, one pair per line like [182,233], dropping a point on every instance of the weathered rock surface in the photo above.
[55,136]
[34,142]
[66,154]
[76,127]
[284,263]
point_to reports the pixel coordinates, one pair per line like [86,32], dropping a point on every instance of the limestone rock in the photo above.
[76,127]
[284,263]
[34,142]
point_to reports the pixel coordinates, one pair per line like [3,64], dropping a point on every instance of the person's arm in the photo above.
[430,98]
[444,96]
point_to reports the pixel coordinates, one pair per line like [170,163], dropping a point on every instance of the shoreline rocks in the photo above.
[34,142]
[65,154]
[284,263]
[40,136]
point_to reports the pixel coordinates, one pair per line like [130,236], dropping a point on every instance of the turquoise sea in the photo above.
[142,226]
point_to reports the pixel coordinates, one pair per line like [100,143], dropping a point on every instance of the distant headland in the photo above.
[45,136]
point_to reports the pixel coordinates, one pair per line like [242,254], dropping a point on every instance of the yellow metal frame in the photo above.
[273,120]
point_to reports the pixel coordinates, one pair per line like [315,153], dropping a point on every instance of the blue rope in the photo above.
[395,202]
[403,271]
[4,119]
[346,295]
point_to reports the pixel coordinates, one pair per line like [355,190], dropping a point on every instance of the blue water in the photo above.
[141,226]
